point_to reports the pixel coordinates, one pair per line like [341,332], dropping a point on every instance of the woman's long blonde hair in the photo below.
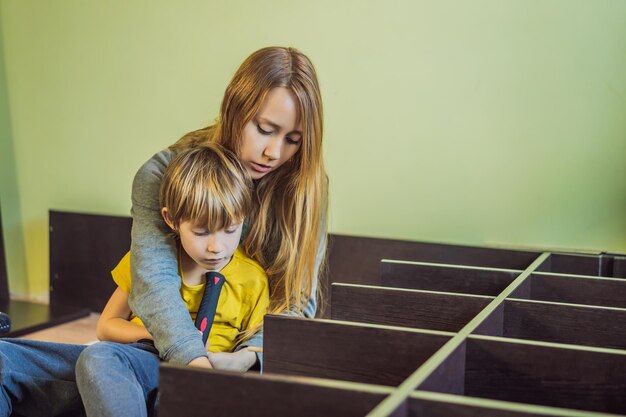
[287,224]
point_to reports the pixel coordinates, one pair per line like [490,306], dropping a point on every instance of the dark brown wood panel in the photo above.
[84,248]
[27,317]
[493,324]
[355,259]
[351,352]
[419,406]
[585,264]
[401,411]
[193,392]
[449,377]
[577,290]
[407,308]
[446,278]
[587,326]
[523,290]
[580,379]
[618,266]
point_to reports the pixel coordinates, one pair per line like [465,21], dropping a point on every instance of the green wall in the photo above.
[9,195]
[486,122]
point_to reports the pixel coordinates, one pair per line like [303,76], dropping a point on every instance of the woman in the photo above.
[271,117]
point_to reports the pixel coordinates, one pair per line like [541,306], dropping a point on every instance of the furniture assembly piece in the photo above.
[410,329]
[437,330]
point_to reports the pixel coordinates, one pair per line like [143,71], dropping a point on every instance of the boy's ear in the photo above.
[167,219]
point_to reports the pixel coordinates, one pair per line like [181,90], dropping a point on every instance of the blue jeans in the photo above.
[118,380]
[38,378]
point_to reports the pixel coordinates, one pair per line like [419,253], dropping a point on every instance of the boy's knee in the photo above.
[95,359]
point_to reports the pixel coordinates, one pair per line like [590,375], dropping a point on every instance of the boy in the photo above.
[205,195]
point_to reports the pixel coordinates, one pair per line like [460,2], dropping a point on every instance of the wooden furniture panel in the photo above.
[350,366]
[449,376]
[610,292]
[446,278]
[352,352]
[406,308]
[584,379]
[355,259]
[80,265]
[278,395]
[27,317]
[597,264]
[493,325]
[618,266]
[188,392]
[559,323]
[433,404]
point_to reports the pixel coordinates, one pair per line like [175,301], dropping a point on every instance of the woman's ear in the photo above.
[167,219]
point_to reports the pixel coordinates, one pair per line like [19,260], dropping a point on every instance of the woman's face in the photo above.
[271,138]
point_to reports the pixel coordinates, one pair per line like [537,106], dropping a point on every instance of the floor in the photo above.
[81,331]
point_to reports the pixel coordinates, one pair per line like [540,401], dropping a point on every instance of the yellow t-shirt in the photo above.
[243,301]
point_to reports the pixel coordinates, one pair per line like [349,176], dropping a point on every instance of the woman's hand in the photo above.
[201,362]
[239,361]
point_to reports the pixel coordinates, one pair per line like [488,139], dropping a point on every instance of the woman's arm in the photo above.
[155,294]
[113,324]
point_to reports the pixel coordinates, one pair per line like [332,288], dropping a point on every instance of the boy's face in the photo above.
[211,250]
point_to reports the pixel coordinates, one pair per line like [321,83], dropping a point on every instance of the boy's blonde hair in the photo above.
[205,184]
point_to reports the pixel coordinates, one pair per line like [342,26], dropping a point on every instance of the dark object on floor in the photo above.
[5,323]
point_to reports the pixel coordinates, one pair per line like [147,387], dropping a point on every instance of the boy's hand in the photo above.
[239,361]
